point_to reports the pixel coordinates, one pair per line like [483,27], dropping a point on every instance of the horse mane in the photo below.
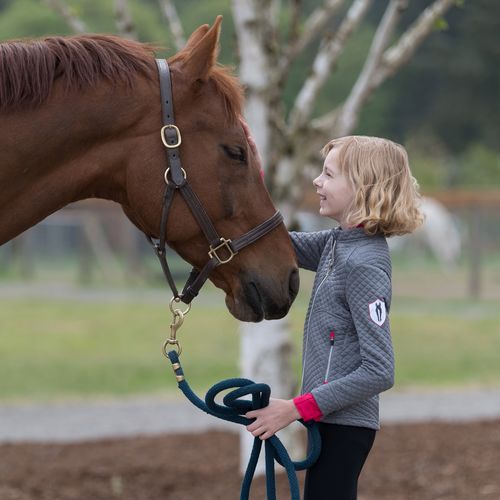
[29,68]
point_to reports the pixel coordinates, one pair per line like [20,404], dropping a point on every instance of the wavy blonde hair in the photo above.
[386,197]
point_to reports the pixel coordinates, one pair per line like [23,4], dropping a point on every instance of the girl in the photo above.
[367,187]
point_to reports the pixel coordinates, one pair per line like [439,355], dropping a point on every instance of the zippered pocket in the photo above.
[332,343]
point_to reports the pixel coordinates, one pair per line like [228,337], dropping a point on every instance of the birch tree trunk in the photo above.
[265,348]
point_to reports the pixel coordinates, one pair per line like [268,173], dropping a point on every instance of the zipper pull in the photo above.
[332,341]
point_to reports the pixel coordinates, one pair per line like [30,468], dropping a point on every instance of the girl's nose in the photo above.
[317,181]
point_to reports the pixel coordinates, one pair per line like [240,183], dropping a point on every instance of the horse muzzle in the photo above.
[259,298]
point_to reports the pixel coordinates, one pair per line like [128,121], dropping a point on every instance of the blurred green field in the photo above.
[68,348]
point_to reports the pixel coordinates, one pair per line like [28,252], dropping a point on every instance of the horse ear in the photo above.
[203,54]
[195,37]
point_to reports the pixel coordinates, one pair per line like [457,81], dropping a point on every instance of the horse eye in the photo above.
[235,153]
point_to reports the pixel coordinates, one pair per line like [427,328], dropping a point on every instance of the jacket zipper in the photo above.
[330,267]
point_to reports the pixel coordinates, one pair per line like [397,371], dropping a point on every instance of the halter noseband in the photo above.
[221,250]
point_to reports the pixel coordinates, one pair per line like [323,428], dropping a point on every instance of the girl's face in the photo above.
[335,191]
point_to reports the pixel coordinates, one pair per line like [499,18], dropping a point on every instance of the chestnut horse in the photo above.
[81,118]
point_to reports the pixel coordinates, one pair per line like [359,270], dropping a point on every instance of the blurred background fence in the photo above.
[92,242]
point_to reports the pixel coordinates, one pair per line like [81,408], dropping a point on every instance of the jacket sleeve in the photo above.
[368,295]
[309,247]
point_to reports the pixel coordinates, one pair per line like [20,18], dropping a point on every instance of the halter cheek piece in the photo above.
[221,250]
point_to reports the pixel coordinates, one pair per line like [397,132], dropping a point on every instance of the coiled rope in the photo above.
[234,410]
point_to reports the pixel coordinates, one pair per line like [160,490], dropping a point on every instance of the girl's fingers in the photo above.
[255,426]
[258,432]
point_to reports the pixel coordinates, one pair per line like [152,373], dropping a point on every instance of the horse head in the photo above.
[262,280]
[81,118]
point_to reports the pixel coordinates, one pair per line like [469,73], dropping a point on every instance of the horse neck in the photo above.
[68,149]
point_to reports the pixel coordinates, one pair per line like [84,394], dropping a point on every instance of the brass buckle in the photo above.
[178,132]
[224,243]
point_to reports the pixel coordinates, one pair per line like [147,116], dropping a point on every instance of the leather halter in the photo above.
[221,250]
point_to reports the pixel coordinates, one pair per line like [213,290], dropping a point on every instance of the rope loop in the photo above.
[234,409]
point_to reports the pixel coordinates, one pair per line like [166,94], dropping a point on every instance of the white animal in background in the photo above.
[440,232]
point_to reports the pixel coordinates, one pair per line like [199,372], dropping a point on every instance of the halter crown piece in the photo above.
[221,250]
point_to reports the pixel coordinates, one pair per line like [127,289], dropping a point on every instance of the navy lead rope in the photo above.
[234,410]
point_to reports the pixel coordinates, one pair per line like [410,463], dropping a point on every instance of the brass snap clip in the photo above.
[172,340]
[177,321]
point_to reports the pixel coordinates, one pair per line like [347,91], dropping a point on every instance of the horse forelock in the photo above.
[230,89]
[29,68]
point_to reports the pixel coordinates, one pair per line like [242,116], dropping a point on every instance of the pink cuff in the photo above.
[307,407]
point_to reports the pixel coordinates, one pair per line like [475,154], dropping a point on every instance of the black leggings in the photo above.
[334,476]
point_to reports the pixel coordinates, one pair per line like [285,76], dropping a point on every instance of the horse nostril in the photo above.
[294,283]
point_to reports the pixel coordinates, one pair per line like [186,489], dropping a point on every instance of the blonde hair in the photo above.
[386,198]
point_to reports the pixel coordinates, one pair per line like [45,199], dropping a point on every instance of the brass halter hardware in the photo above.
[224,244]
[177,320]
[177,143]
[165,175]
[221,250]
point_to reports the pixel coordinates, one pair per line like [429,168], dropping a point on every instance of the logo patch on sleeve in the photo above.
[378,312]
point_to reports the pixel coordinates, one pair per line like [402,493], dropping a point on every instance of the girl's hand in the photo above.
[269,420]
[251,142]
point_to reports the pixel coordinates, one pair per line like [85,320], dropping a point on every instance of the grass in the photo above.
[52,349]
[447,342]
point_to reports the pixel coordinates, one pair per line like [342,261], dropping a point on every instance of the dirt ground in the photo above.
[435,461]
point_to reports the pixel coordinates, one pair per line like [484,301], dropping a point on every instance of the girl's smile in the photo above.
[334,189]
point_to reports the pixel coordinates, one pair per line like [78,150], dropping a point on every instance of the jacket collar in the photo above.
[353,234]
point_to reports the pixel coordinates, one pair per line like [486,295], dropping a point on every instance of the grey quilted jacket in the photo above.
[350,301]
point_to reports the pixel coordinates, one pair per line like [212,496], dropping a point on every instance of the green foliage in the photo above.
[430,172]
[436,169]
[447,92]
[453,82]
[29,18]
[441,24]
[32,18]
[429,161]
[194,13]
[4,4]
[340,82]
[479,166]
[349,65]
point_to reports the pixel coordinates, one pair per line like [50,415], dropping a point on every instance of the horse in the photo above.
[81,118]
